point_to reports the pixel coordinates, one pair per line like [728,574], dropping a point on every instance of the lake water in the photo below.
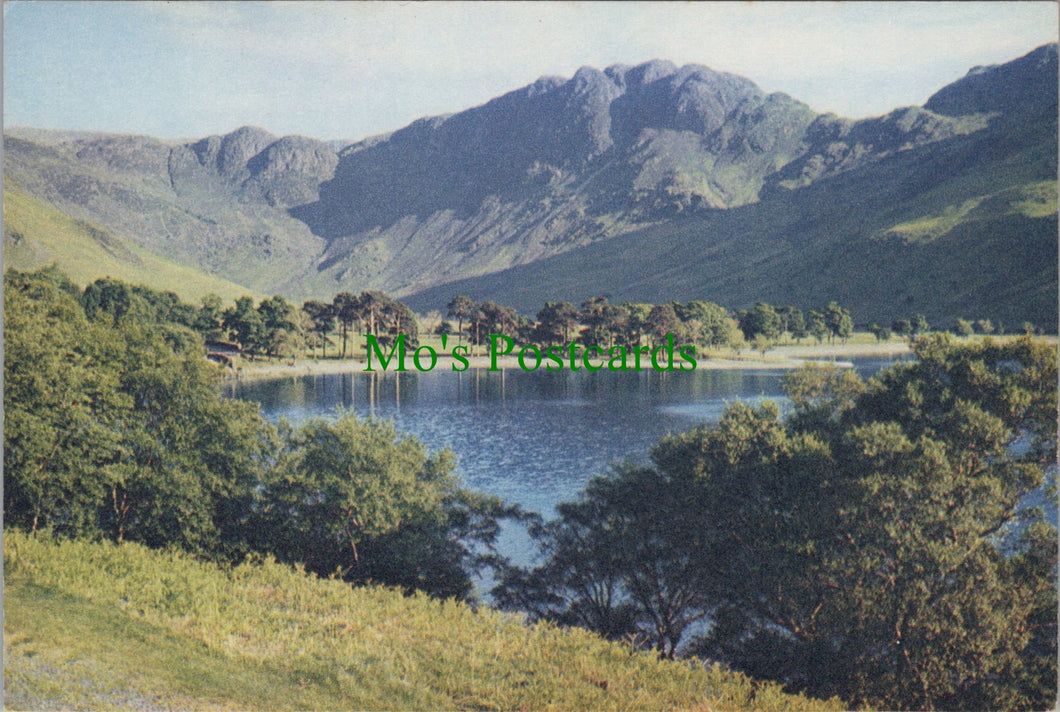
[534,439]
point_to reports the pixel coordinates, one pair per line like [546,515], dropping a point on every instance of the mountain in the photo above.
[563,164]
[949,210]
[647,182]
[218,204]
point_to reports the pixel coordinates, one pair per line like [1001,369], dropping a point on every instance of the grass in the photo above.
[99,625]
[37,234]
[929,228]
[1037,200]
[63,651]
[1034,200]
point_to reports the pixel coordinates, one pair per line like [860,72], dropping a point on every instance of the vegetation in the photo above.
[114,428]
[601,324]
[100,625]
[831,241]
[37,234]
[883,545]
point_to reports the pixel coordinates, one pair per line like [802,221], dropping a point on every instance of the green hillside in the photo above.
[91,625]
[38,234]
[978,244]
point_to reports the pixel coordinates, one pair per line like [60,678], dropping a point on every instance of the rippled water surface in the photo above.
[531,438]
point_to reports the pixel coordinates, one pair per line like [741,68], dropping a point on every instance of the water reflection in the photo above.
[532,438]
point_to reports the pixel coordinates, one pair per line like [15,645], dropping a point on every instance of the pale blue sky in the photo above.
[348,69]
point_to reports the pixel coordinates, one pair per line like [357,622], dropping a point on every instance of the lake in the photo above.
[534,439]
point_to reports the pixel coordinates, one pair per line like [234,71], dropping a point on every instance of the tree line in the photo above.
[274,327]
[599,323]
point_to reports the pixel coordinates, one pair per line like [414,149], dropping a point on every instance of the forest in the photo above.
[892,542]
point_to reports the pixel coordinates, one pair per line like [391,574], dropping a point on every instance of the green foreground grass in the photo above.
[101,626]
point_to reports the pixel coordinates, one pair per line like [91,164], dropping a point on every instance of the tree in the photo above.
[902,327]
[108,298]
[556,323]
[371,309]
[639,322]
[280,330]
[340,483]
[244,323]
[461,308]
[793,322]
[761,320]
[904,584]
[163,306]
[882,333]
[964,327]
[818,326]
[352,496]
[120,430]
[322,317]
[820,393]
[605,323]
[662,320]
[347,309]
[713,327]
[61,406]
[622,563]
[190,460]
[918,325]
[492,318]
[838,320]
[397,320]
[881,545]
[208,320]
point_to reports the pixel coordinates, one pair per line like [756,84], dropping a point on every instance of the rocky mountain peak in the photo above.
[295,154]
[546,169]
[649,72]
[228,154]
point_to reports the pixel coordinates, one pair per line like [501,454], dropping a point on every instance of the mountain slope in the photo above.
[36,234]
[968,231]
[563,164]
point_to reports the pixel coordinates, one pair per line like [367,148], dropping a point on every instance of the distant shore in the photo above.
[789,356]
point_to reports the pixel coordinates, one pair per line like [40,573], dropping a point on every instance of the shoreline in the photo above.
[785,357]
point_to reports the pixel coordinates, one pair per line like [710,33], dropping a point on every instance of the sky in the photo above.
[348,70]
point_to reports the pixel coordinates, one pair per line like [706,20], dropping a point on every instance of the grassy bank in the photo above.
[91,625]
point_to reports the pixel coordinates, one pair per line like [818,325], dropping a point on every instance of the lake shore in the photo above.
[789,356]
